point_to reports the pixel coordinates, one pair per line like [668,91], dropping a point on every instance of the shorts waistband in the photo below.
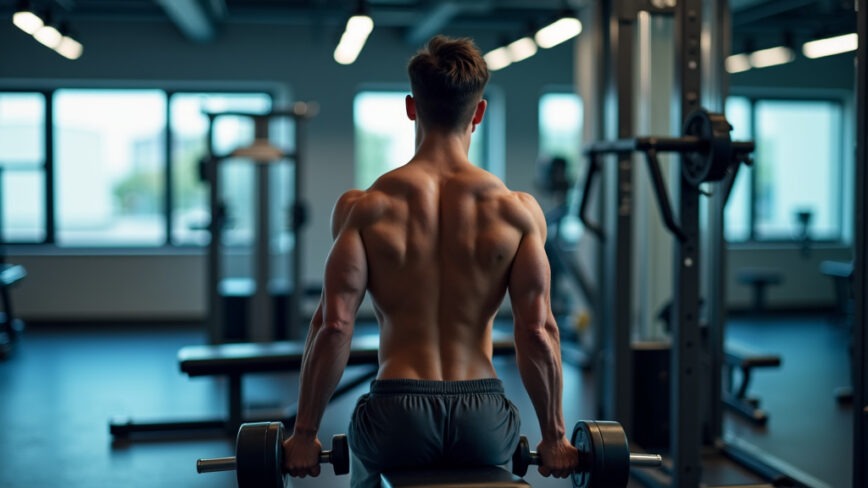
[434,387]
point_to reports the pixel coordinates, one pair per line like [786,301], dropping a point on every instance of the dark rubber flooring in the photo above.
[63,384]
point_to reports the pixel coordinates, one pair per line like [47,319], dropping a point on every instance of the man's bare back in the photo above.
[439,238]
[437,243]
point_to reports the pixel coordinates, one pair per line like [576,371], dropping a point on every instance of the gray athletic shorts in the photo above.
[404,424]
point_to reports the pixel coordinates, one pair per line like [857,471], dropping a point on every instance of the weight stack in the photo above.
[651,395]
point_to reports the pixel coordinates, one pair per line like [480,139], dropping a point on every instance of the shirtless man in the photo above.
[438,243]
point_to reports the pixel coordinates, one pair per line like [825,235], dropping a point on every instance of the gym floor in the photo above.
[64,383]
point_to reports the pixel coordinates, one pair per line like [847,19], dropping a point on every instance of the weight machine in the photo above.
[267,303]
[709,159]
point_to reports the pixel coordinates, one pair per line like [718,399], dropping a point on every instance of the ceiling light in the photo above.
[356,32]
[737,63]
[498,59]
[521,49]
[69,48]
[48,36]
[25,18]
[771,57]
[830,46]
[558,31]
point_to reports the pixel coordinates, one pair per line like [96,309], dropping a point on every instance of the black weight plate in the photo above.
[713,161]
[614,464]
[521,457]
[582,441]
[340,454]
[259,455]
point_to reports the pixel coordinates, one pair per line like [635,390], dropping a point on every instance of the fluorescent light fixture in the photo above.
[48,36]
[497,59]
[521,49]
[353,39]
[830,46]
[558,31]
[26,20]
[771,57]
[737,63]
[69,48]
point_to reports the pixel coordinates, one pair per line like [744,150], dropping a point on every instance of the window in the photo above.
[189,128]
[110,163]
[797,170]
[560,127]
[22,166]
[385,137]
[106,177]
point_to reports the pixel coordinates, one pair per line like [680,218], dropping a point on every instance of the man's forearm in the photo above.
[539,363]
[324,361]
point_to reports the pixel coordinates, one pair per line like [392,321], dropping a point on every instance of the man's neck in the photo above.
[442,145]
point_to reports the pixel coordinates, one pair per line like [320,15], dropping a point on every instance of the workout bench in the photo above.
[236,360]
[476,477]
[735,397]
[759,279]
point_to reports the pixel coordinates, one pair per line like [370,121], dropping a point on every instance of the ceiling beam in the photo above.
[433,21]
[191,18]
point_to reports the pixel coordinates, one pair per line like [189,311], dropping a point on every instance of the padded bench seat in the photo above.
[479,477]
[233,361]
[739,357]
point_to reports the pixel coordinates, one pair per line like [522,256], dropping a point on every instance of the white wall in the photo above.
[79,286]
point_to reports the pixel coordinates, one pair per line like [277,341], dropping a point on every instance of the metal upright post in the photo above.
[261,324]
[860,338]
[716,22]
[293,327]
[215,232]
[617,357]
[685,369]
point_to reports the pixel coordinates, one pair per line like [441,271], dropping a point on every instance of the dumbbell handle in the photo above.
[645,460]
[636,459]
[228,463]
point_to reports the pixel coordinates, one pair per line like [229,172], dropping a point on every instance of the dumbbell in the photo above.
[258,460]
[604,455]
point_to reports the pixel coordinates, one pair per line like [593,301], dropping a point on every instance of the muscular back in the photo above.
[439,244]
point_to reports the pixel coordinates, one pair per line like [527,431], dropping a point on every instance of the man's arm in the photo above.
[537,344]
[327,347]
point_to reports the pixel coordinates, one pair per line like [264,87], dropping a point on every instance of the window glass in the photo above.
[189,128]
[560,127]
[110,163]
[22,160]
[798,166]
[385,137]
[737,214]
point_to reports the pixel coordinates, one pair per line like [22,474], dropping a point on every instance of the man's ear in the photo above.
[480,112]
[410,105]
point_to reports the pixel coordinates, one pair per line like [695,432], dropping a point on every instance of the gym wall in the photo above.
[156,284]
[70,284]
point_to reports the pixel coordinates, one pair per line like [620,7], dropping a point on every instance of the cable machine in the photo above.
[266,306]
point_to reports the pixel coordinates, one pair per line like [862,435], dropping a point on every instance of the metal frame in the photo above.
[696,424]
[860,269]
[261,305]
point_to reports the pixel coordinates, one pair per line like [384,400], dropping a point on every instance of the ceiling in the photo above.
[755,22]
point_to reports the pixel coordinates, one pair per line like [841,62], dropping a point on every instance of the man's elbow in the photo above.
[337,328]
[536,331]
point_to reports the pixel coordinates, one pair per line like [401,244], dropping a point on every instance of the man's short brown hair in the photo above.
[448,78]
